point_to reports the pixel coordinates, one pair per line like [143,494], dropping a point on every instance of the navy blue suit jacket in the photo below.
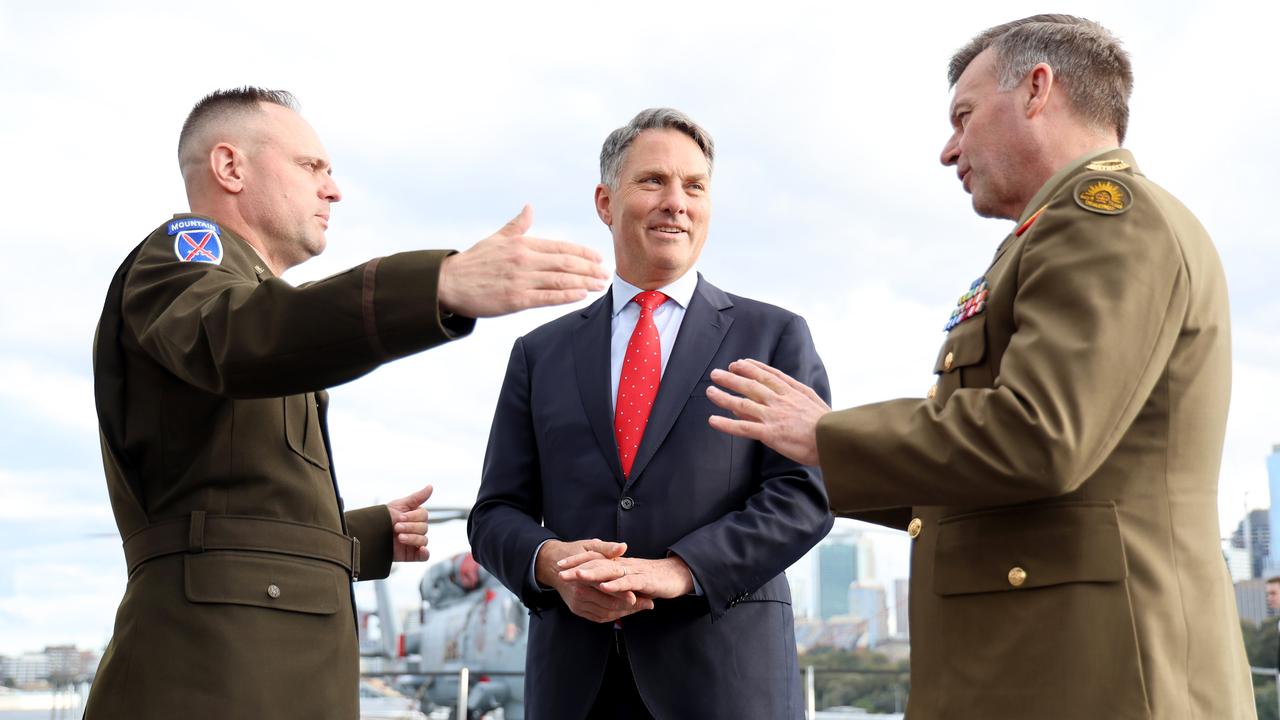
[736,512]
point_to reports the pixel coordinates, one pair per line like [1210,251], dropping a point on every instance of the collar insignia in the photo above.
[1108,165]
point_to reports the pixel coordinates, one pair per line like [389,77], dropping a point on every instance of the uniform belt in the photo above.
[201,532]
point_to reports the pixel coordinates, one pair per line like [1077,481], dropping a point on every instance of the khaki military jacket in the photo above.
[210,377]
[1060,482]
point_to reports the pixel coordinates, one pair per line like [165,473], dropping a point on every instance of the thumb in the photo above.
[519,224]
[414,501]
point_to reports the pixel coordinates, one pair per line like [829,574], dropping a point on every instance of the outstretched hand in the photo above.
[510,271]
[409,525]
[771,407]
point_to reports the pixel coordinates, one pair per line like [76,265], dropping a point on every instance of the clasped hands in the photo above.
[598,582]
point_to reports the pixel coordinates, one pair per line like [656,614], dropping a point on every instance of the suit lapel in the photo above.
[701,333]
[591,364]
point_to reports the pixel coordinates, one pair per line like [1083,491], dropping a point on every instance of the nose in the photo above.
[329,190]
[951,150]
[674,201]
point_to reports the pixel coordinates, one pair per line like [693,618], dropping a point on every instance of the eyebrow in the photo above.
[319,161]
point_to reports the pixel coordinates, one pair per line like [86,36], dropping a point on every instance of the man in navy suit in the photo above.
[649,547]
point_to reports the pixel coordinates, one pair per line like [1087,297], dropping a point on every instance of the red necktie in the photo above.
[638,382]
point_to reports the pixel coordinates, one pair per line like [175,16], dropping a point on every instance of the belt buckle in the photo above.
[355,558]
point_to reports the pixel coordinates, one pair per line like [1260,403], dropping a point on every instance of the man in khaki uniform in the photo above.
[1060,480]
[210,375]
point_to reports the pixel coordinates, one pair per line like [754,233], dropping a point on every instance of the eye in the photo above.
[697,186]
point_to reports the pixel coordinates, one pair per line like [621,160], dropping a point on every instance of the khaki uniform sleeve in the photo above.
[230,334]
[372,527]
[1098,307]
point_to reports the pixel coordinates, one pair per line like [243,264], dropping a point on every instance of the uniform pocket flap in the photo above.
[1019,548]
[266,581]
[966,345]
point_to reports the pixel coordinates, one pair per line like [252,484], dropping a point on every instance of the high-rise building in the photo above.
[867,602]
[1251,601]
[837,570]
[902,628]
[839,561]
[1273,485]
[1254,535]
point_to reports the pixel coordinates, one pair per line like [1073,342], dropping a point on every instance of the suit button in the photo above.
[1017,576]
[273,591]
[627,503]
[914,527]
[948,361]
[933,391]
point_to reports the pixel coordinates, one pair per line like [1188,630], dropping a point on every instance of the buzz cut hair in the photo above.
[616,145]
[1084,55]
[1273,579]
[222,104]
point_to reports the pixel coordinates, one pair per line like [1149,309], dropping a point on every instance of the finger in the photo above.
[519,224]
[411,540]
[605,547]
[596,571]
[761,373]
[412,528]
[562,247]
[790,381]
[526,299]
[739,406]
[734,379]
[578,559]
[414,501]
[738,428]
[534,280]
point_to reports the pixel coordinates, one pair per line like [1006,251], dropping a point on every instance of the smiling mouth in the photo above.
[668,229]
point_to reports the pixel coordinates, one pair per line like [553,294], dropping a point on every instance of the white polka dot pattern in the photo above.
[638,382]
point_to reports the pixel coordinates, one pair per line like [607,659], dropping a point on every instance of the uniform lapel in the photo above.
[591,366]
[701,333]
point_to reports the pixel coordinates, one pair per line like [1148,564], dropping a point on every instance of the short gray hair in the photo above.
[615,146]
[1083,54]
[220,104]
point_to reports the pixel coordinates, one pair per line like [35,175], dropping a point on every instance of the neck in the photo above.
[229,216]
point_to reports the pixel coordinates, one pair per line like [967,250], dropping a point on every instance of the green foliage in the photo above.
[1260,644]
[859,679]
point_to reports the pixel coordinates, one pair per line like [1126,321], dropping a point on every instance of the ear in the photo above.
[603,206]
[226,162]
[1040,87]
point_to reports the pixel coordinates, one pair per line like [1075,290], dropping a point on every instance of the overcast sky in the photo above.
[442,119]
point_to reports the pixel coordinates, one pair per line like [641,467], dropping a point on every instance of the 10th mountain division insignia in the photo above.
[196,240]
[1102,194]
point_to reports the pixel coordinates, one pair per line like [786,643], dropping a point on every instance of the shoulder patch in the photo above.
[1103,194]
[196,240]
[1108,165]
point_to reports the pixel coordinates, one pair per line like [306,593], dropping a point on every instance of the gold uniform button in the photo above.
[273,591]
[913,528]
[933,392]
[948,361]
[1017,576]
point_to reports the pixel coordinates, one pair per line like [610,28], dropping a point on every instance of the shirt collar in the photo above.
[681,291]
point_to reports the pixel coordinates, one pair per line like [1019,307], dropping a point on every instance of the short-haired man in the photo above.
[1059,482]
[601,432]
[210,375]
